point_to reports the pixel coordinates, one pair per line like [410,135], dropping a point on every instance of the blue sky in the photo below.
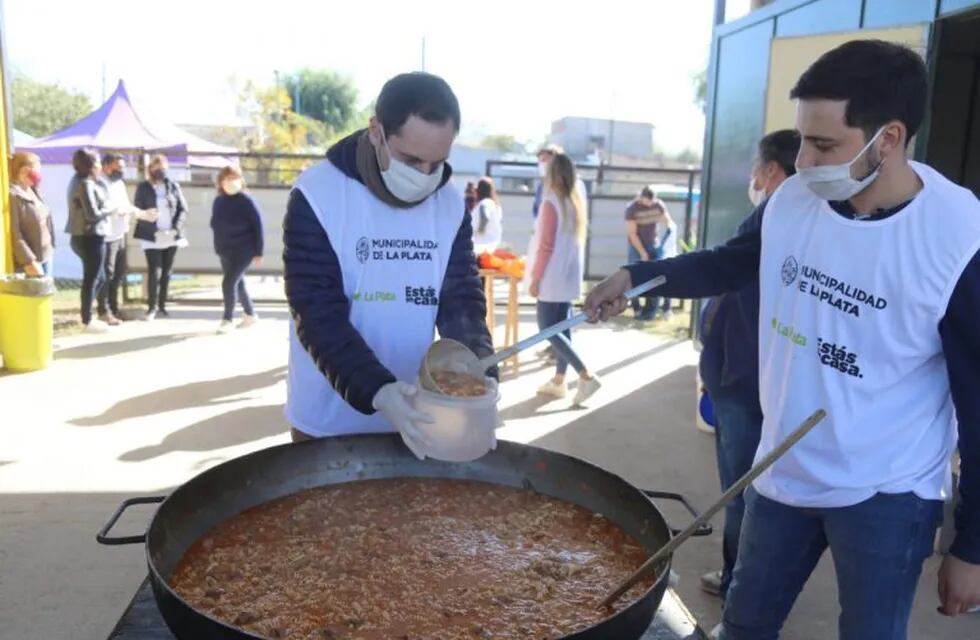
[515,66]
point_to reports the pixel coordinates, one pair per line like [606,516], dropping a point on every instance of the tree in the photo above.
[501,142]
[41,109]
[326,96]
[700,81]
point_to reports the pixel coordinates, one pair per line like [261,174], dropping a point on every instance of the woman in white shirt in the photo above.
[487,218]
[557,267]
[161,238]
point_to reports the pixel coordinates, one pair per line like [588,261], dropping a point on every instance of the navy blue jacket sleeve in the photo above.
[462,312]
[710,272]
[321,310]
[961,346]
[257,230]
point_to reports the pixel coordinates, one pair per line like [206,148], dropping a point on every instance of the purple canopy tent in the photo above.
[117,126]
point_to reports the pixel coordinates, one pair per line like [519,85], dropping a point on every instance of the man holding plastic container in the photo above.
[378,256]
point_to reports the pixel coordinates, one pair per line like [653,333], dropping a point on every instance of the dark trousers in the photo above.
[550,313]
[233,267]
[159,265]
[91,251]
[115,271]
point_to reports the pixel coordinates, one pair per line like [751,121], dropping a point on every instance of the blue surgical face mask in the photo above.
[406,183]
[834,182]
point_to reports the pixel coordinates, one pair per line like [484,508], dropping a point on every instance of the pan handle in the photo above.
[703,530]
[103,536]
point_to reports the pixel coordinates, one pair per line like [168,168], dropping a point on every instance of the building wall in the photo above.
[582,136]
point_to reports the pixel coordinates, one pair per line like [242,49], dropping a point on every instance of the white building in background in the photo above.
[587,139]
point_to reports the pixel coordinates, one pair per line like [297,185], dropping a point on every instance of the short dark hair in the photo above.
[416,94]
[648,192]
[881,81]
[109,158]
[84,160]
[485,189]
[781,147]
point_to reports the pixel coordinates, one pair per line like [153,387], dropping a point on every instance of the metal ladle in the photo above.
[450,355]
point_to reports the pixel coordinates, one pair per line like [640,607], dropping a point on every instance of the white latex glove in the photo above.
[392,400]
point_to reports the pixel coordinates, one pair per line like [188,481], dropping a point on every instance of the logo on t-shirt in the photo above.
[422,296]
[838,357]
[791,269]
[363,250]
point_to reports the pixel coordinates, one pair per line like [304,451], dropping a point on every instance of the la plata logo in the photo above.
[790,270]
[363,250]
[838,357]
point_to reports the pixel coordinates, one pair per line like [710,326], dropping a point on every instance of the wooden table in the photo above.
[490,276]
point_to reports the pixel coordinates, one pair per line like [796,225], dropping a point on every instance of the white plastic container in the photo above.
[463,428]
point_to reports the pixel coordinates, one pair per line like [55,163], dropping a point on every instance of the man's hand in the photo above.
[959,586]
[257,261]
[392,400]
[606,299]
[535,289]
[33,269]
[645,257]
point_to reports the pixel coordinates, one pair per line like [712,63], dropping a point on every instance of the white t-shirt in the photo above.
[118,201]
[490,237]
[166,237]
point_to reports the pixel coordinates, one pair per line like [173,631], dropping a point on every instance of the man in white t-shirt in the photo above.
[113,166]
[869,273]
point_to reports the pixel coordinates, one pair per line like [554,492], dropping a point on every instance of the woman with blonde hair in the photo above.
[238,241]
[160,238]
[31,226]
[557,268]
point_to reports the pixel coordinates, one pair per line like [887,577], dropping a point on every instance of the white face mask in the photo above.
[408,184]
[834,182]
[756,196]
[232,187]
[542,169]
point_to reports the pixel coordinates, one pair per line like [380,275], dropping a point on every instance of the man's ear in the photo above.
[893,137]
[374,131]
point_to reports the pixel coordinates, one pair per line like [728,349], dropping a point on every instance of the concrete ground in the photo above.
[144,408]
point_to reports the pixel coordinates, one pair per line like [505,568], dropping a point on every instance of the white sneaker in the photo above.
[553,389]
[248,321]
[226,326]
[668,315]
[586,388]
[96,326]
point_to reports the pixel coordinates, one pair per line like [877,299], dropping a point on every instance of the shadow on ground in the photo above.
[118,347]
[194,394]
[224,430]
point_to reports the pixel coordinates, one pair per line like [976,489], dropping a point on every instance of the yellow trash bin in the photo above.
[26,323]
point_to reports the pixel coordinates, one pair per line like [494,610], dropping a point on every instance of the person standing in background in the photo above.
[488,225]
[469,197]
[31,226]
[666,248]
[89,213]
[729,364]
[545,154]
[161,237]
[642,216]
[113,166]
[556,265]
[239,243]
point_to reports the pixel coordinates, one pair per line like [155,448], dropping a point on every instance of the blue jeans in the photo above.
[650,303]
[233,267]
[878,547]
[550,313]
[91,251]
[738,428]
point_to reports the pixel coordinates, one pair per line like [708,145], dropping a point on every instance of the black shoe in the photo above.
[163,313]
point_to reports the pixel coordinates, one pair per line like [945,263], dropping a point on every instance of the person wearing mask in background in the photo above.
[161,237]
[487,218]
[31,226]
[469,197]
[642,216]
[378,255]
[113,166]
[666,248]
[868,266]
[89,218]
[546,154]
[556,264]
[729,363]
[239,243]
